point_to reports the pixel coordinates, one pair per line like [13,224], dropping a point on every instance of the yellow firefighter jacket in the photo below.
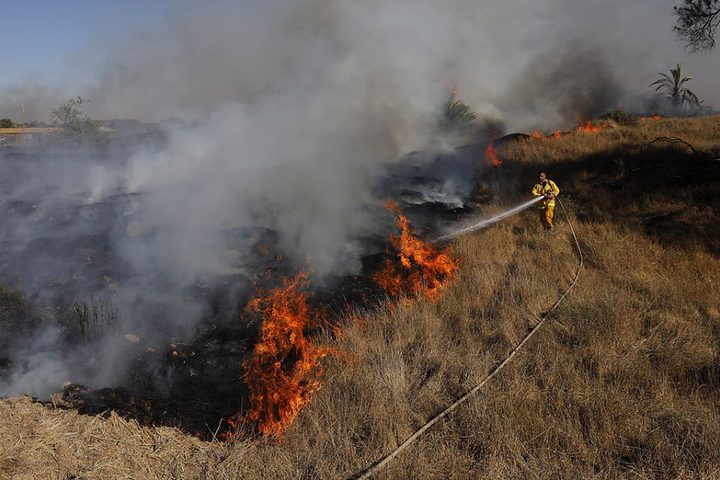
[548,187]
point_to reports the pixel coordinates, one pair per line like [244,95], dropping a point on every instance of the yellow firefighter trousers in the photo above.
[546,215]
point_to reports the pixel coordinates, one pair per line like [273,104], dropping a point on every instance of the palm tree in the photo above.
[456,113]
[673,87]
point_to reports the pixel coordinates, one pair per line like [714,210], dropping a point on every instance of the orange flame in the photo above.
[589,127]
[538,135]
[653,118]
[491,156]
[284,370]
[422,269]
[233,423]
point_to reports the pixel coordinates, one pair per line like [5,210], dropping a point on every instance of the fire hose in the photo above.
[379,465]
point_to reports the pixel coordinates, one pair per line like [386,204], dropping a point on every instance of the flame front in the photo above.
[491,156]
[538,135]
[284,370]
[418,267]
[589,127]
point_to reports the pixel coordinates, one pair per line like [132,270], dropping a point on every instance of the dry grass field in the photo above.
[623,381]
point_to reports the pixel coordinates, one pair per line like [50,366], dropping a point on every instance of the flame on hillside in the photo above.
[284,369]
[491,156]
[538,135]
[418,268]
[589,127]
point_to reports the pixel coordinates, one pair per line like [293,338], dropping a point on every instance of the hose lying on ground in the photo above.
[387,459]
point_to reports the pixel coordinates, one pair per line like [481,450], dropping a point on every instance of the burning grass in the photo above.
[491,156]
[284,369]
[590,127]
[415,268]
[586,127]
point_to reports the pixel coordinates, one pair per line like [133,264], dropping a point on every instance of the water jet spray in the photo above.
[488,221]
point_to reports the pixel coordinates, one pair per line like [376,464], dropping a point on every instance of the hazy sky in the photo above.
[47,36]
[175,54]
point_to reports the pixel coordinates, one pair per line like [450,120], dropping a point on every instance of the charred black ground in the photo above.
[194,382]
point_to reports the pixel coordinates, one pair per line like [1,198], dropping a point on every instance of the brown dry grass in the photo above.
[702,132]
[622,383]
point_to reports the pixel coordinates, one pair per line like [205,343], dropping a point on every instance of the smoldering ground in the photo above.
[299,106]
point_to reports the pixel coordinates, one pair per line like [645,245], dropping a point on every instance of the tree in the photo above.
[696,23]
[456,113]
[69,115]
[6,123]
[674,90]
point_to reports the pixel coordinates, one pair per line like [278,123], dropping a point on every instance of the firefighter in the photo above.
[546,188]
